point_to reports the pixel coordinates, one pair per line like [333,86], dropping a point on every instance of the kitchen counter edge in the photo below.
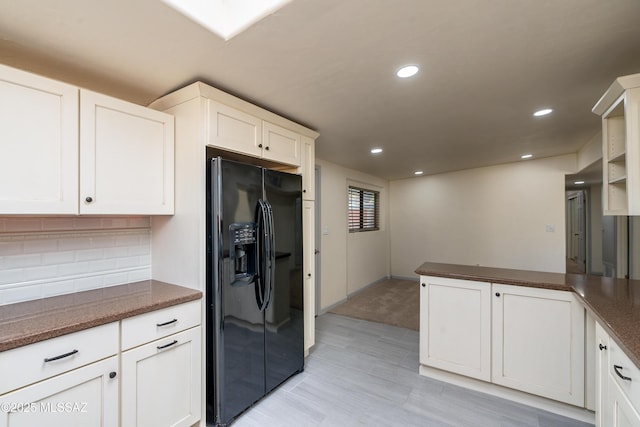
[32,321]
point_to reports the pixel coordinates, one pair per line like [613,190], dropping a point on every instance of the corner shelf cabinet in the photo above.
[619,108]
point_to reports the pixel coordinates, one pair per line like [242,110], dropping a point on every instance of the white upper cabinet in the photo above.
[97,155]
[308,168]
[241,132]
[620,111]
[234,130]
[280,144]
[126,157]
[39,144]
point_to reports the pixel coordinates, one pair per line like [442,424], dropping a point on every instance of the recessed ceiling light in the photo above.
[543,112]
[526,156]
[579,182]
[407,71]
[376,150]
[418,172]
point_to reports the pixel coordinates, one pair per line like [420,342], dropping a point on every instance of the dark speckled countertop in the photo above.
[615,303]
[32,321]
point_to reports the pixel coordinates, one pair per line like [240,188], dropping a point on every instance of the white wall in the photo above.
[493,216]
[349,261]
[595,229]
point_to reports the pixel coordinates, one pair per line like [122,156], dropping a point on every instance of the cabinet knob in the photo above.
[112,375]
[259,145]
[266,148]
[309,275]
[602,347]
[88,199]
[498,294]
[424,285]
[304,191]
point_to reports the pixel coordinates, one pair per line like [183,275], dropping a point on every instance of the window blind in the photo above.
[364,209]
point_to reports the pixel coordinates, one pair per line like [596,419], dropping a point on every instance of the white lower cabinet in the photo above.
[161,382]
[528,339]
[161,367]
[86,378]
[71,380]
[455,326]
[617,385]
[602,360]
[620,410]
[83,397]
[538,342]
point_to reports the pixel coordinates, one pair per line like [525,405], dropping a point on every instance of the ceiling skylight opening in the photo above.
[526,156]
[376,150]
[226,18]
[407,71]
[543,112]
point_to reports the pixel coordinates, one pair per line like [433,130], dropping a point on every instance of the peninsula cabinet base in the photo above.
[549,405]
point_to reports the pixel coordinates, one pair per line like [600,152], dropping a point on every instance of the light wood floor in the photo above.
[365,374]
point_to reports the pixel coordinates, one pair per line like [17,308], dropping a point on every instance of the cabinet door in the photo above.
[619,411]
[161,382]
[308,168]
[455,326]
[538,342]
[234,130]
[601,360]
[280,145]
[127,153]
[39,149]
[84,397]
[308,236]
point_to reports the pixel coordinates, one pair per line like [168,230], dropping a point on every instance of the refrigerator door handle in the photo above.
[272,255]
[263,235]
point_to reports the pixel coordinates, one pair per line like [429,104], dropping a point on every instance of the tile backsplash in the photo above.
[46,256]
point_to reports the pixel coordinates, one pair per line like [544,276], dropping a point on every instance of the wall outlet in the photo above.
[550,228]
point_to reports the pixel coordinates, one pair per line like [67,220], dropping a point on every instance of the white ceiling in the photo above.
[486,65]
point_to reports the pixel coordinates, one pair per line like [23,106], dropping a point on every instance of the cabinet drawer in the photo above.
[35,362]
[627,369]
[157,324]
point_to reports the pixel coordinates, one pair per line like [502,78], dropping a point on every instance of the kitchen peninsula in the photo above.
[545,334]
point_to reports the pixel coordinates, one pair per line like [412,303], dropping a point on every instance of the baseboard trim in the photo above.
[553,406]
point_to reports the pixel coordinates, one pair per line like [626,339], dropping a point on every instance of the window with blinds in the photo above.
[364,210]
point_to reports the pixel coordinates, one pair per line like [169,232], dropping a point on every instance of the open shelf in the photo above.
[619,108]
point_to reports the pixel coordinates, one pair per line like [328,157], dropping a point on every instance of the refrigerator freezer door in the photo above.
[235,323]
[284,322]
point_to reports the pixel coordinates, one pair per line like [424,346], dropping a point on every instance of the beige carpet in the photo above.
[394,302]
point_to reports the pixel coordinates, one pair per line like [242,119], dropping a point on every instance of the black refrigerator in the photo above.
[255,322]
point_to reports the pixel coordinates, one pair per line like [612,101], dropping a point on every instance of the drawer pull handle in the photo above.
[615,368]
[162,347]
[167,323]
[62,356]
